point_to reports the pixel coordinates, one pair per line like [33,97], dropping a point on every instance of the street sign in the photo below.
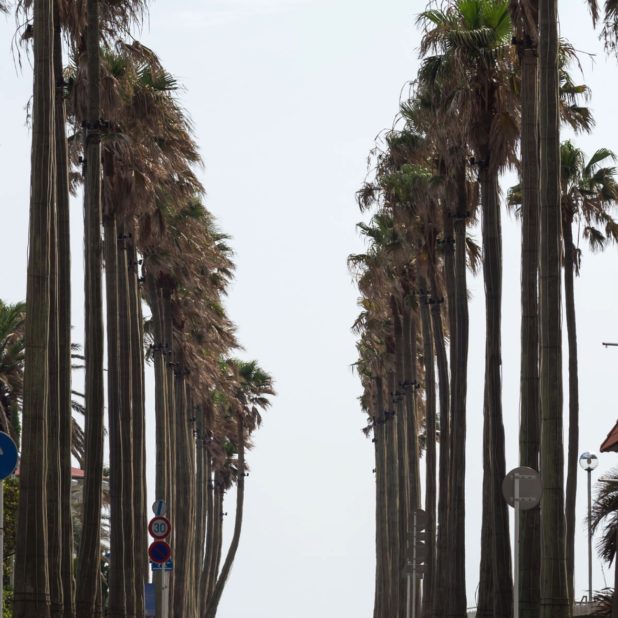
[8,455]
[159,527]
[159,507]
[159,552]
[155,566]
[169,565]
[530,488]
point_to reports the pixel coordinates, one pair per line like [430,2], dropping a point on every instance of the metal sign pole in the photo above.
[166,593]
[516,544]
[413,567]
[589,536]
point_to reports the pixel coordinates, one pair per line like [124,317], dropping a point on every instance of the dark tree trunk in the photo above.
[456,531]
[117,577]
[31,553]
[64,329]
[530,427]
[430,470]
[88,584]
[231,554]
[54,513]
[573,454]
[140,540]
[125,421]
[380,606]
[492,273]
[554,589]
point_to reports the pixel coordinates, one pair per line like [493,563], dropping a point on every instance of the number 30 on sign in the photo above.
[159,527]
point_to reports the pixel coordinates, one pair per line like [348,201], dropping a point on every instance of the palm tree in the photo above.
[610,22]
[12,321]
[31,557]
[475,36]
[249,397]
[605,513]
[588,190]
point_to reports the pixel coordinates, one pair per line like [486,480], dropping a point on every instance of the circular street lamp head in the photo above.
[588,461]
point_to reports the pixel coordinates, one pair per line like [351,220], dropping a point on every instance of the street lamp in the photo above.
[588,462]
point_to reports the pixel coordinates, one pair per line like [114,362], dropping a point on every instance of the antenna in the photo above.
[610,345]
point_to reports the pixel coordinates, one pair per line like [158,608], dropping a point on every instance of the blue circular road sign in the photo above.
[159,552]
[8,455]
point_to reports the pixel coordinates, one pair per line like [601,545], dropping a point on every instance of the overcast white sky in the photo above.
[287,97]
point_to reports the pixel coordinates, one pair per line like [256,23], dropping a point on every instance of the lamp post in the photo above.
[588,462]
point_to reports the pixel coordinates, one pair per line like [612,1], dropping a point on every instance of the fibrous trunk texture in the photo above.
[554,591]
[430,468]
[31,564]
[117,576]
[89,594]
[492,274]
[456,606]
[530,416]
[573,454]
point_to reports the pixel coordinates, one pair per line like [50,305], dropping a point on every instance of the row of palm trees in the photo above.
[110,108]
[491,92]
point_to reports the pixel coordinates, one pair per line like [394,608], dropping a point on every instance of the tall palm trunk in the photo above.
[125,421]
[205,579]
[456,606]
[64,327]
[200,501]
[380,607]
[486,576]
[88,586]
[397,398]
[393,498]
[140,540]
[117,576]
[530,417]
[492,273]
[31,565]
[161,409]
[443,563]
[444,394]
[183,499]
[572,457]
[430,469]
[554,590]
[231,554]
[54,513]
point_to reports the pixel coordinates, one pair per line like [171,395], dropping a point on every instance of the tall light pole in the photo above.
[588,462]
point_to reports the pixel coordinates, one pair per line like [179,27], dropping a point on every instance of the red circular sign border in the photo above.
[156,519]
[169,555]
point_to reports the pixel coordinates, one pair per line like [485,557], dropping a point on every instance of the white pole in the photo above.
[516,544]
[166,593]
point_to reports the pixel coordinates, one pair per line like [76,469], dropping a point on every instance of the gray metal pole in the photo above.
[516,549]
[589,536]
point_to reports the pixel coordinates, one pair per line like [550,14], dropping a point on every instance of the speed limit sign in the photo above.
[159,527]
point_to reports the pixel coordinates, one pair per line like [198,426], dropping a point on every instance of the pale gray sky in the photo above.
[287,97]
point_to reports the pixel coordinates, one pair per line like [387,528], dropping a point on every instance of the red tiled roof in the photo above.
[611,442]
[76,473]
